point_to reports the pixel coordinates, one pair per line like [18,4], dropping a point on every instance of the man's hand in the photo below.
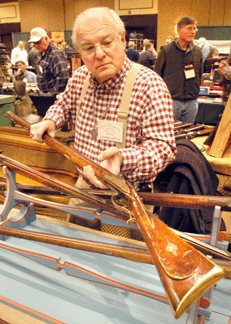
[222,69]
[111,160]
[37,130]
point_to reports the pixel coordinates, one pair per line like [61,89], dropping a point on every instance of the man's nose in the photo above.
[99,51]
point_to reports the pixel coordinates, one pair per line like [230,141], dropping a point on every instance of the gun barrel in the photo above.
[186,201]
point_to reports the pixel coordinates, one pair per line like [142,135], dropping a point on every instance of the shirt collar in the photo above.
[189,48]
[113,82]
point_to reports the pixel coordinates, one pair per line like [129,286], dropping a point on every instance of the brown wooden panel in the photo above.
[200,11]
[216,15]
[41,14]
[4,1]
[69,14]
[227,13]
[81,5]
[138,4]
[55,9]
[10,28]
[33,14]
[169,12]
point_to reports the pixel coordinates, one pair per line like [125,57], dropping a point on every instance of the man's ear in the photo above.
[123,39]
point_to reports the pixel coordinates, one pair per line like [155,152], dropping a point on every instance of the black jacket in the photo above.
[147,59]
[132,54]
[190,173]
[170,66]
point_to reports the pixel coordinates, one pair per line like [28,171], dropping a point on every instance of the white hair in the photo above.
[202,40]
[96,12]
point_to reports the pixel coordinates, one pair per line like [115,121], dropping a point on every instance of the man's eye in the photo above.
[107,42]
[88,48]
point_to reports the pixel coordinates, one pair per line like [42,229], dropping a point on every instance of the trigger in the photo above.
[120,203]
[131,220]
[118,200]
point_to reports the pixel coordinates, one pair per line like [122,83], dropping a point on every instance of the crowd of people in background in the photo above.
[147,56]
[45,63]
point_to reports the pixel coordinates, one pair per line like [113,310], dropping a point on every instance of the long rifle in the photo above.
[188,200]
[149,198]
[174,200]
[60,186]
[192,134]
[136,254]
[189,129]
[185,273]
[181,126]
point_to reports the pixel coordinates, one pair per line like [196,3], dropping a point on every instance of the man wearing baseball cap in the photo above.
[51,64]
[36,34]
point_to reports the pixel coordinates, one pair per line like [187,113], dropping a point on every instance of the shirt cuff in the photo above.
[227,73]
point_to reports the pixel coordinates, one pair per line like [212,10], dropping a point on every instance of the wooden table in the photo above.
[6,103]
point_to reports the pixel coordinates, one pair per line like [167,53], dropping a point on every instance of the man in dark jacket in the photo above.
[131,52]
[148,58]
[180,64]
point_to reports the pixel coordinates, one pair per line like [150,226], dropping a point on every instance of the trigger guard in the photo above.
[123,207]
[115,197]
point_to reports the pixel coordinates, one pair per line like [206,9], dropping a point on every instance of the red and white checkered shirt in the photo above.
[150,141]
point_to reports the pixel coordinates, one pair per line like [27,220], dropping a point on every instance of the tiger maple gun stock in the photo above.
[136,254]
[185,273]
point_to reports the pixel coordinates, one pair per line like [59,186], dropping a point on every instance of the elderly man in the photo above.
[51,64]
[180,64]
[205,47]
[149,145]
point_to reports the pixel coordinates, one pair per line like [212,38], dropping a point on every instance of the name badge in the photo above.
[110,131]
[189,71]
